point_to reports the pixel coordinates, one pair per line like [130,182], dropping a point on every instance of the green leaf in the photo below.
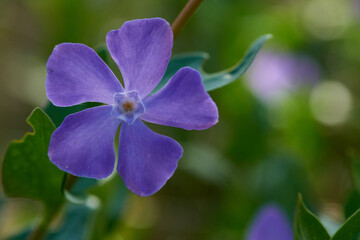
[27,171]
[103,52]
[352,203]
[307,226]
[355,171]
[214,80]
[351,228]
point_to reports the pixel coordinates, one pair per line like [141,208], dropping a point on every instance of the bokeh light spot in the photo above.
[331,103]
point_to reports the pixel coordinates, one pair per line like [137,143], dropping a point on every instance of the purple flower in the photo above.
[84,144]
[270,224]
[273,74]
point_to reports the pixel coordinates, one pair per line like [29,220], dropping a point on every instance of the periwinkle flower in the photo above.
[273,74]
[270,224]
[84,143]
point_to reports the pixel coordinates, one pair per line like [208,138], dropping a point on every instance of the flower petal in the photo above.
[76,74]
[141,49]
[146,159]
[182,102]
[84,143]
[270,224]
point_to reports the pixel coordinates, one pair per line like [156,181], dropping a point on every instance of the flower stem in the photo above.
[41,230]
[184,16]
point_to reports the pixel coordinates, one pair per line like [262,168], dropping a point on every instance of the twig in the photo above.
[184,16]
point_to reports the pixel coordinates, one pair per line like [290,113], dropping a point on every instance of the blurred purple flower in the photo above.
[273,74]
[84,144]
[270,224]
[356,8]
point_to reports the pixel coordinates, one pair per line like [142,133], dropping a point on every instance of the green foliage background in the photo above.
[257,153]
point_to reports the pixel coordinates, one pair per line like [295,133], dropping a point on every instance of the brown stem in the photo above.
[41,230]
[70,181]
[184,16]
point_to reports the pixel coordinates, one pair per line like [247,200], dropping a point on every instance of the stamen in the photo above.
[128,106]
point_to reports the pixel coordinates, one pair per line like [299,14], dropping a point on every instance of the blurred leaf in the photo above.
[214,80]
[279,178]
[20,236]
[206,163]
[27,171]
[355,170]
[330,225]
[350,230]
[220,79]
[352,203]
[305,139]
[103,52]
[112,196]
[307,226]
[82,185]
[76,224]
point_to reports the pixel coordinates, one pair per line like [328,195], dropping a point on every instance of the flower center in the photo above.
[127,106]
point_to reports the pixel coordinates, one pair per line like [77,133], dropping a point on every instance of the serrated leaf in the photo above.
[214,80]
[27,171]
[307,226]
[351,228]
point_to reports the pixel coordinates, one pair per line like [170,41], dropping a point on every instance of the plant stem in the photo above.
[184,16]
[41,230]
[70,181]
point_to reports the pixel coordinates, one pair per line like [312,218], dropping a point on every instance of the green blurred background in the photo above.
[288,126]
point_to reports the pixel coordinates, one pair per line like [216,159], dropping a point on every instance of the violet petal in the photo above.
[141,49]
[146,159]
[84,143]
[270,224]
[76,74]
[183,102]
